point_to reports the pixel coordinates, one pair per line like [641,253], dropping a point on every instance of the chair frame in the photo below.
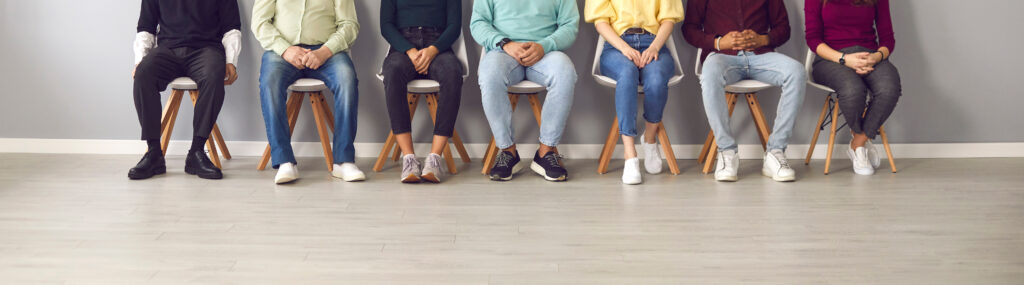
[613,133]
[831,111]
[709,151]
[431,97]
[324,120]
[170,116]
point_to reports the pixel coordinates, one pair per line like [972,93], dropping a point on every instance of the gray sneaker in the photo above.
[432,168]
[410,169]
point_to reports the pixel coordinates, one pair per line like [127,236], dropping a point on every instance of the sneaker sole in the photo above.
[515,170]
[768,173]
[430,177]
[540,171]
[285,180]
[411,179]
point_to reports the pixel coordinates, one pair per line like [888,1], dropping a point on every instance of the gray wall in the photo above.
[66,74]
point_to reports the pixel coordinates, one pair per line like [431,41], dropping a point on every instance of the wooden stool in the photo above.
[170,115]
[613,134]
[531,90]
[749,89]
[390,142]
[321,112]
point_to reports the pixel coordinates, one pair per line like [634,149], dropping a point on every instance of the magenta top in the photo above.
[840,24]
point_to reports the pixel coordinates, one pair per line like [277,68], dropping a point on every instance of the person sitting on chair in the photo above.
[308,39]
[199,39]
[853,40]
[524,40]
[739,39]
[421,34]
[635,32]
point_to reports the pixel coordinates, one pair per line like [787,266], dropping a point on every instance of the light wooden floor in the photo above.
[77,219]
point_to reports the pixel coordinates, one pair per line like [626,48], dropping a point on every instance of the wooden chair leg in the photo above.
[760,122]
[492,151]
[666,149]
[535,106]
[832,138]
[817,130]
[219,139]
[710,159]
[460,147]
[704,150]
[383,157]
[292,108]
[888,149]
[609,147]
[174,103]
[316,99]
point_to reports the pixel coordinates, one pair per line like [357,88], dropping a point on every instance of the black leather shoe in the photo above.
[152,163]
[197,163]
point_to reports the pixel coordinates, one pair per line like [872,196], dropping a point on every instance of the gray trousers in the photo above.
[852,89]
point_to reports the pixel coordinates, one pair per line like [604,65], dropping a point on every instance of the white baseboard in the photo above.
[579,151]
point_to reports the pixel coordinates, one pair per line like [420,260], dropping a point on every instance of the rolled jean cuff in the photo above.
[549,143]
[444,132]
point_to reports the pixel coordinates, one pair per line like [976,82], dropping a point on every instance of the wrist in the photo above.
[718,43]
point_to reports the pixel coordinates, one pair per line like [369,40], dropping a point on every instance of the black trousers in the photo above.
[399,70]
[883,84]
[161,66]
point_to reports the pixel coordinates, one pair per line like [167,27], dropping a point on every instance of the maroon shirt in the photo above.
[840,24]
[707,19]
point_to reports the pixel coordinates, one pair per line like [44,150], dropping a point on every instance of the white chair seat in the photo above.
[308,85]
[526,87]
[822,87]
[183,83]
[747,86]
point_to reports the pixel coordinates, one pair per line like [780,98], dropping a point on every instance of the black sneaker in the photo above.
[506,165]
[549,166]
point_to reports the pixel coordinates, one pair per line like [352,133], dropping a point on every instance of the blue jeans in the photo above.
[628,77]
[555,71]
[772,68]
[338,74]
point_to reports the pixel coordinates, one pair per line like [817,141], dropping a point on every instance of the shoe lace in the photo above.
[503,160]
[434,161]
[553,159]
[411,165]
[781,157]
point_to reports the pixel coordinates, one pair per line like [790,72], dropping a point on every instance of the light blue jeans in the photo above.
[654,78]
[498,71]
[772,68]
[338,74]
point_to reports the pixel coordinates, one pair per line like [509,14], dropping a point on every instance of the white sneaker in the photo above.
[873,155]
[432,168]
[859,157]
[631,172]
[777,167]
[652,159]
[410,169]
[348,172]
[286,172]
[727,166]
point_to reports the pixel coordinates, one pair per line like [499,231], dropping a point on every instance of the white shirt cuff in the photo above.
[144,42]
[232,46]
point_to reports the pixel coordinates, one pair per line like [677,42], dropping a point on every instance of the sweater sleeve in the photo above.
[389,27]
[453,26]
[229,18]
[815,25]
[779,33]
[693,26]
[568,25]
[481,25]
[883,23]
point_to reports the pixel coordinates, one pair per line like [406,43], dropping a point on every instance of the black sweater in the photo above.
[189,23]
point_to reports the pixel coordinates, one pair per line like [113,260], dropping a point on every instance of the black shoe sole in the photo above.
[193,171]
[155,172]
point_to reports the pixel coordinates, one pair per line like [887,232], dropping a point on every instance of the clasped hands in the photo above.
[641,59]
[863,62]
[526,53]
[746,40]
[302,58]
[421,58]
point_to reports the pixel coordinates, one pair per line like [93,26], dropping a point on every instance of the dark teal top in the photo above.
[445,15]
